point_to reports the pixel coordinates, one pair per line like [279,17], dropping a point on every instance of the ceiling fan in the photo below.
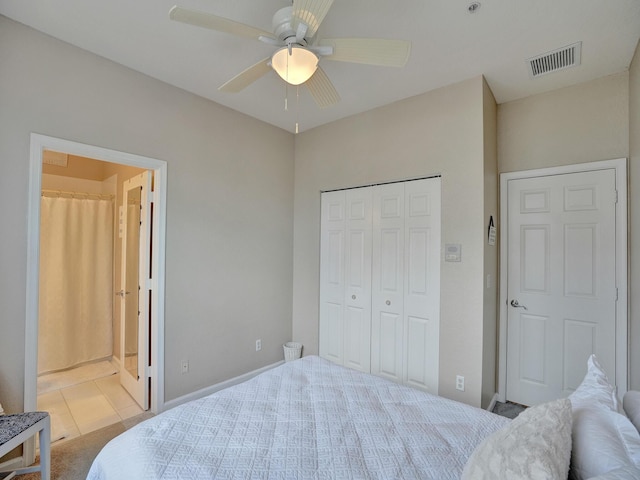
[296,59]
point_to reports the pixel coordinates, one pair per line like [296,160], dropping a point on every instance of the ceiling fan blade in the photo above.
[322,90]
[311,13]
[213,22]
[247,77]
[370,51]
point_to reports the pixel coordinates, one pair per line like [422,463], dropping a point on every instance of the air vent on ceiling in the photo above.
[55,158]
[556,60]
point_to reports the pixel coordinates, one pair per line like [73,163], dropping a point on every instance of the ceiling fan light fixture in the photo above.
[295,66]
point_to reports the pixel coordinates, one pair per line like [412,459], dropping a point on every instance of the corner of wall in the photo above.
[634,220]
[490,277]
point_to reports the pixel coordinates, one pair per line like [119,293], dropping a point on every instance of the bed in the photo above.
[307,418]
[312,419]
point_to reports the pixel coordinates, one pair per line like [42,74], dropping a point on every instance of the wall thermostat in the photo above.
[453,252]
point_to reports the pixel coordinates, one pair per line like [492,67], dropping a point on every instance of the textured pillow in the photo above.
[595,390]
[536,445]
[603,441]
[631,404]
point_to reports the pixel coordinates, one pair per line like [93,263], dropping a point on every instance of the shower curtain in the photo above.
[76,281]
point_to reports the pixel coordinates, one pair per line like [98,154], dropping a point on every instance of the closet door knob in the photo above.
[388,302]
[353,297]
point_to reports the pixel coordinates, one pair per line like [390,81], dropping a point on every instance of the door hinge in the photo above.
[147,371]
[616,196]
[616,294]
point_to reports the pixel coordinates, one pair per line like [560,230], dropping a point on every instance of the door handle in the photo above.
[514,303]
[122,293]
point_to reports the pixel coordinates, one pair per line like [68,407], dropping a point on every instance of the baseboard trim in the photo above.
[493,402]
[115,361]
[218,386]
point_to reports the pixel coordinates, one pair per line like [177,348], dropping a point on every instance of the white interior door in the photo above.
[380,280]
[387,320]
[332,288]
[345,277]
[357,313]
[561,282]
[405,320]
[422,283]
[135,283]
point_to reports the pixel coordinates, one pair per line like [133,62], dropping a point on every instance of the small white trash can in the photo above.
[292,351]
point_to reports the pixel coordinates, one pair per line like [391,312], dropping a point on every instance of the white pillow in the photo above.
[595,389]
[631,403]
[603,441]
[536,445]
[623,473]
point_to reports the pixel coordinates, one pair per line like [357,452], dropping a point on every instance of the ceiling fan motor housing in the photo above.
[282,26]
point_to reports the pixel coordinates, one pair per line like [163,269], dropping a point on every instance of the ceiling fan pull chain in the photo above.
[297,106]
[286,97]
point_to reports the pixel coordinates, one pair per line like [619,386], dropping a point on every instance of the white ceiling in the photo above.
[449,45]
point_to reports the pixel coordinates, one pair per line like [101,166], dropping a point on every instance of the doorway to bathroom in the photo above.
[85,245]
[93,380]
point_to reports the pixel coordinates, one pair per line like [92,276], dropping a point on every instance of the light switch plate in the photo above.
[453,252]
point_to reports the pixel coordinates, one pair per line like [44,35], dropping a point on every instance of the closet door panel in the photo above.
[387,349]
[388,282]
[332,276]
[418,243]
[390,258]
[357,293]
[331,333]
[422,283]
[356,347]
[419,373]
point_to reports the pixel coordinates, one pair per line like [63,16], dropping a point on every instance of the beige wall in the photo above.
[583,123]
[229,201]
[491,252]
[77,167]
[439,132]
[634,215]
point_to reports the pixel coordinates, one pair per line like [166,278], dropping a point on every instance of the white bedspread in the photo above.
[305,419]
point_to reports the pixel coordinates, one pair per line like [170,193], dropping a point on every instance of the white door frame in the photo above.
[39,143]
[622,320]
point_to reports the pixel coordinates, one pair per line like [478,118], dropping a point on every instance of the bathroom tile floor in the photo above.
[88,406]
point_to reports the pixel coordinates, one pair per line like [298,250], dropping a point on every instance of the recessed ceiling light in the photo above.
[473,7]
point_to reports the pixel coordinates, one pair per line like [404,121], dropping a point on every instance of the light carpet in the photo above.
[50,382]
[72,459]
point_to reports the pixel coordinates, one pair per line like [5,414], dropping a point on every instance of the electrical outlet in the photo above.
[185,366]
[460,383]
[258,345]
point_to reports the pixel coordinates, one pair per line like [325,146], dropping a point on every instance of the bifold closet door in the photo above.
[345,278]
[406,283]
[387,321]
[380,280]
